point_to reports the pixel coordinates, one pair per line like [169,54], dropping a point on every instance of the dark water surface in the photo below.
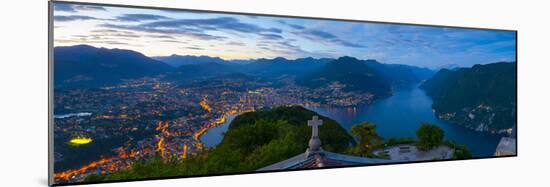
[402,113]
[397,116]
[215,135]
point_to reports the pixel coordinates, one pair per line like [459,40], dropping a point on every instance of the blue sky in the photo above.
[229,36]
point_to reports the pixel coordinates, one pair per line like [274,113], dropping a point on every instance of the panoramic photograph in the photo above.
[143,93]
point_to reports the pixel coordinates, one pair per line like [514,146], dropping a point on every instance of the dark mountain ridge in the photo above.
[482,97]
[354,74]
[260,67]
[180,60]
[399,74]
[365,75]
[88,66]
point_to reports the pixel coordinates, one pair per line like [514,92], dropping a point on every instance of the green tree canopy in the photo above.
[253,140]
[368,138]
[429,136]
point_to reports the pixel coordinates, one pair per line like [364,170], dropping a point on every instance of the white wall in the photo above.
[23,100]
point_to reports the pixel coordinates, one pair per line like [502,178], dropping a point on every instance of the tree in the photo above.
[253,140]
[429,136]
[368,138]
[460,151]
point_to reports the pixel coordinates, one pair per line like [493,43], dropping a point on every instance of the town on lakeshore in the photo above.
[145,93]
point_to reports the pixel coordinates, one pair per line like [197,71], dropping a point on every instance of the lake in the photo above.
[80,114]
[397,116]
[214,135]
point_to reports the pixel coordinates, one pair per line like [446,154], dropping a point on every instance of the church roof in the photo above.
[315,157]
[322,159]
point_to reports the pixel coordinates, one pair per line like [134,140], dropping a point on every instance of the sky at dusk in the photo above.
[165,32]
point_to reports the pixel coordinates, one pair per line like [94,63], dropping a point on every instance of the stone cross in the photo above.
[315,123]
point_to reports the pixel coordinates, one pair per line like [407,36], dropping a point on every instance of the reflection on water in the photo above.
[215,135]
[81,114]
[397,116]
[401,114]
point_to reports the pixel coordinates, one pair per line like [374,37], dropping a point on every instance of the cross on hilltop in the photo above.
[314,141]
[315,123]
[316,157]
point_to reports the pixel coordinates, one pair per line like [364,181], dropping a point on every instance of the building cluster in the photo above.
[158,118]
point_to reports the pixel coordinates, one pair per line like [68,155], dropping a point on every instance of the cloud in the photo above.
[74,18]
[126,35]
[161,36]
[174,41]
[299,27]
[325,37]
[236,43]
[283,47]
[196,28]
[285,37]
[271,36]
[90,7]
[220,23]
[294,26]
[103,36]
[319,34]
[140,17]
[195,48]
[349,44]
[91,41]
[111,31]
[287,44]
[114,42]
[74,8]
[116,33]
[105,31]
[63,7]
[196,34]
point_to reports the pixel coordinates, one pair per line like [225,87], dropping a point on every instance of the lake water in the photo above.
[81,114]
[396,116]
[215,135]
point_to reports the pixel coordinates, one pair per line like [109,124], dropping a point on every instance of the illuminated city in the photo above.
[211,93]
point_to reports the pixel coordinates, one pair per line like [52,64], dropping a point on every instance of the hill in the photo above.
[399,74]
[181,60]
[253,140]
[259,68]
[203,67]
[281,66]
[353,73]
[88,66]
[202,71]
[482,97]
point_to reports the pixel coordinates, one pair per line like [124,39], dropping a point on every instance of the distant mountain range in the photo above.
[351,72]
[395,74]
[179,60]
[279,66]
[182,60]
[87,66]
[398,74]
[482,97]
[364,75]
[259,67]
